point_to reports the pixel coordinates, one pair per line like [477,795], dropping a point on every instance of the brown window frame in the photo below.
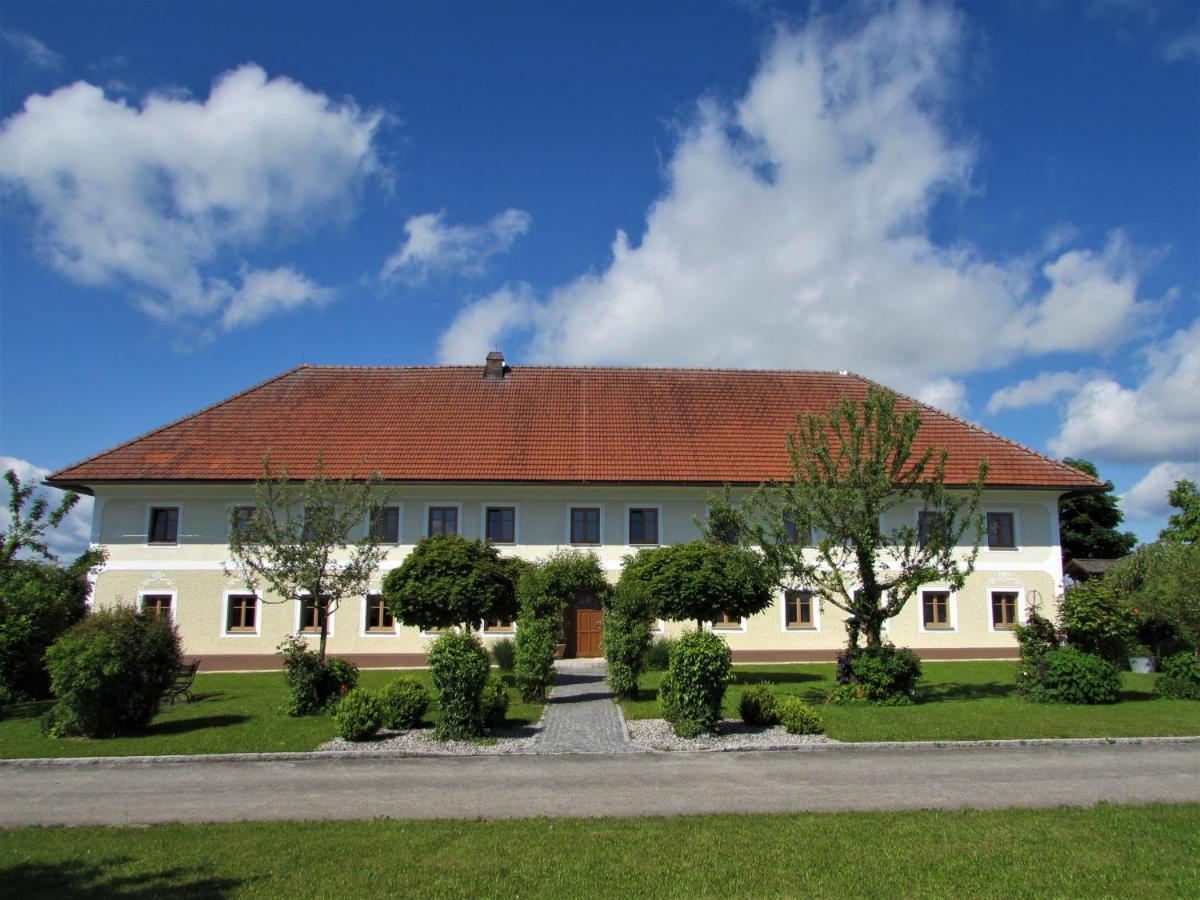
[379,619]
[799,624]
[945,623]
[1013,606]
[586,525]
[1012,530]
[496,626]
[442,511]
[232,603]
[642,512]
[170,527]
[725,623]
[307,602]
[512,524]
[381,534]
[157,609]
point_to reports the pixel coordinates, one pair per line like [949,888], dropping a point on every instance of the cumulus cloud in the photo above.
[1152,422]
[946,394]
[264,293]
[474,330]
[154,197]
[793,231]
[1045,387]
[1183,48]
[433,247]
[74,532]
[30,49]
[1148,498]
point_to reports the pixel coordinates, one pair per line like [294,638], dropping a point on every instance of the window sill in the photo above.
[801,628]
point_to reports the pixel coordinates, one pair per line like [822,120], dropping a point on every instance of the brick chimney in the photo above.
[494,368]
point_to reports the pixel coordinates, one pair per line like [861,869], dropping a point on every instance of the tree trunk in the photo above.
[324,633]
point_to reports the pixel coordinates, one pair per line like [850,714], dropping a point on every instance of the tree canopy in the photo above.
[1162,580]
[1087,523]
[448,580]
[1183,526]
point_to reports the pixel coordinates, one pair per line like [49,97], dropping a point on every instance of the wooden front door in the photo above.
[589,627]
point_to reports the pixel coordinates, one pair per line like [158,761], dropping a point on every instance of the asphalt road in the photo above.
[598,785]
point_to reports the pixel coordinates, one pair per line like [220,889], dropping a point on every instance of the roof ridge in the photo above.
[837,373]
[179,421]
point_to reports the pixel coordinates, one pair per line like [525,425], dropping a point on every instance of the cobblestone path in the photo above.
[581,716]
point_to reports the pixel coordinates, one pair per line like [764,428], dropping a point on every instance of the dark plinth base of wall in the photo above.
[926,653]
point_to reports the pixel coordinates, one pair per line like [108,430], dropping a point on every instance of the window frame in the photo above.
[1016,529]
[300,631]
[792,532]
[814,610]
[432,505]
[399,507]
[223,625]
[173,594]
[660,539]
[487,631]
[163,504]
[231,511]
[1018,608]
[571,507]
[951,625]
[721,627]
[485,508]
[365,629]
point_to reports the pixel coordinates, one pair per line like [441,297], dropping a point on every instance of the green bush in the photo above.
[884,674]
[758,705]
[359,715]
[110,671]
[343,676]
[313,686]
[626,636]
[405,702]
[1179,677]
[1097,619]
[658,655]
[1072,676]
[494,701]
[534,663]
[666,698]
[504,654]
[459,665]
[1037,637]
[798,717]
[699,670]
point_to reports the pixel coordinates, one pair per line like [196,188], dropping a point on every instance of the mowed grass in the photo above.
[1132,851]
[958,701]
[232,713]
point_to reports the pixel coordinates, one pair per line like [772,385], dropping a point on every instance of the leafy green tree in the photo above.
[1087,522]
[627,619]
[1183,526]
[447,580]
[852,466]
[1162,582]
[27,527]
[297,539]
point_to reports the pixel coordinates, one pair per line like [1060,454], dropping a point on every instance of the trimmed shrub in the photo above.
[699,670]
[884,674]
[1097,619]
[758,705]
[626,636]
[494,701]
[504,654]
[459,665]
[657,655]
[109,673]
[404,702]
[343,677]
[1072,676]
[666,698]
[1037,637]
[798,717]
[313,686]
[359,715]
[1179,678]
[534,663]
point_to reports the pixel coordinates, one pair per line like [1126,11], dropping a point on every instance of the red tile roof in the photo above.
[538,424]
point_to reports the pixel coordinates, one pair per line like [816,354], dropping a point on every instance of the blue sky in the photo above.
[994,206]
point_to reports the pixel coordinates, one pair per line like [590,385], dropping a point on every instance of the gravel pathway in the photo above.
[735,735]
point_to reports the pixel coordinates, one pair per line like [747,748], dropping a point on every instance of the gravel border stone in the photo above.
[517,739]
[735,735]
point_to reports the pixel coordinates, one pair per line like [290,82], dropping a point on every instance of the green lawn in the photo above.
[1133,851]
[959,701]
[233,713]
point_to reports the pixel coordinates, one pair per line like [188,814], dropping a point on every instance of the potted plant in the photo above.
[1142,659]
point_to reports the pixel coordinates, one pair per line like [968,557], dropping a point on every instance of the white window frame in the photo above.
[800,629]
[223,625]
[163,504]
[1021,613]
[307,634]
[712,626]
[173,594]
[951,609]
[363,630]
[589,505]
[497,504]
[661,524]
[657,627]
[399,507]
[439,503]
[1016,517]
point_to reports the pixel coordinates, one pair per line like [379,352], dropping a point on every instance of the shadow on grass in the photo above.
[182,726]
[776,677]
[33,709]
[71,879]
[992,690]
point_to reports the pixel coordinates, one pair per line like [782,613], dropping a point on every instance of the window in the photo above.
[385,524]
[727,622]
[241,615]
[795,535]
[443,520]
[378,617]
[312,615]
[643,526]
[585,525]
[501,525]
[157,605]
[312,517]
[241,518]
[927,521]
[1004,609]
[498,626]
[798,609]
[935,610]
[164,525]
[1000,532]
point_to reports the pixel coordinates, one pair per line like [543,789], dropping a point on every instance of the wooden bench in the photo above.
[183,684]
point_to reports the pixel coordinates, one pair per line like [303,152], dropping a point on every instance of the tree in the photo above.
[297,539]
[1162,581]
[1183,526]
[1087,523]
[27,528]
[851,467]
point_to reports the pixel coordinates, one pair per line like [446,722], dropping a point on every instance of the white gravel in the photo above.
[521,739]
[735,735]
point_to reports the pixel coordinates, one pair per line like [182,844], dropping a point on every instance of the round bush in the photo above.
[798,717]
[405,702]
[358,716]
[459,665]
[494,701]
[758,705]
[1179,678]
[110,671]
[883,674]
[699,670]
[313,686]
[1072,676]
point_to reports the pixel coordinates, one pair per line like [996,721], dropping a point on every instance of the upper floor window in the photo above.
[794,533]
[1004,609]
[798,609]
[241,614]
[385,524]
[443,520]
[1001,533]
[378,617]
[935,609]
[242,516]
[501,524]
[164,525]
[927,521]
[643,525]
[157,605]
[585,525]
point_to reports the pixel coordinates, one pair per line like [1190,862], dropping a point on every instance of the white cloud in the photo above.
[73,534]
[946,394]
[793,231]
[31,49]
[1153,422]
[471,335]
[1183,48]
[157,197]
[264,293]
[433,247]
[1148,498]
[1045,387]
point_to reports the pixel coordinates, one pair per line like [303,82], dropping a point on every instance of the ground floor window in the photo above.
[378,617]
[727,622]
[499,626]
[312,615]
[1004,609]
[798,609]
[241,615]
[157,605]
[935,610]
